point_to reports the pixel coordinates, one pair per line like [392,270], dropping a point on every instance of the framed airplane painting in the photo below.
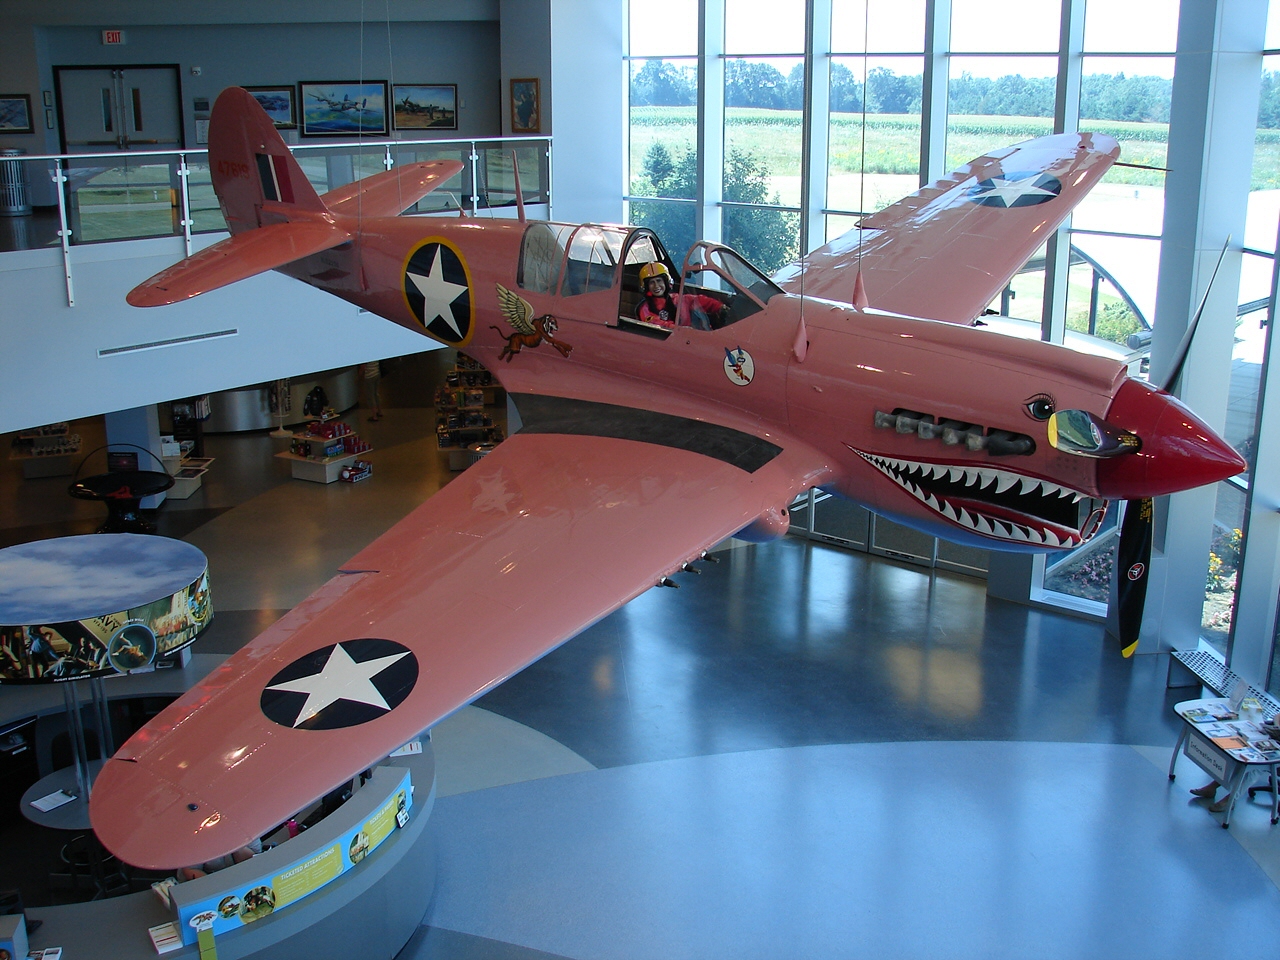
[423,106]
[278,102]
[342,108]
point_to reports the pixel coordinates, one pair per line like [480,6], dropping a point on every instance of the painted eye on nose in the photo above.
[1040,407]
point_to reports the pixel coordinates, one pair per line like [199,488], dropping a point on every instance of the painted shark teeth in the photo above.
[922,480]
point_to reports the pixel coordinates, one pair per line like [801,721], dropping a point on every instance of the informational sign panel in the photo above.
[261,897]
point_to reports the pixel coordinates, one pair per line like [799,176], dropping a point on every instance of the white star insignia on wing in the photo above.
[1010,191]
[341,679]
[438,294]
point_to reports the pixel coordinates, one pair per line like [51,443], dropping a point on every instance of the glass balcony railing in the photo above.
[125,197]
[130,196]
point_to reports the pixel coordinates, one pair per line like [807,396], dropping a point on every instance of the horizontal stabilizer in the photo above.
[238,257]
[390,194]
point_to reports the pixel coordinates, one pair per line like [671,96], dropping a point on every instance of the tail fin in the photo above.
[273,213]
[251,168]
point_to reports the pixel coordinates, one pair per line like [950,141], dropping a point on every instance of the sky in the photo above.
[757,27]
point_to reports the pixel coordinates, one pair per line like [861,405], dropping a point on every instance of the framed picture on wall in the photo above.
[424,106]
[526,106]
[342,108]
[15,113]
[278,103]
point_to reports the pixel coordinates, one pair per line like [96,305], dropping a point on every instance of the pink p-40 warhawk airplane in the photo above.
[642,444]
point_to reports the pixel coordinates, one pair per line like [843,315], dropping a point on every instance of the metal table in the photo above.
[1229,765]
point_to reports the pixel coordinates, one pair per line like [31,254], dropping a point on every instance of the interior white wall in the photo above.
[245,42]
[526,52]
[460,52]
[53,371]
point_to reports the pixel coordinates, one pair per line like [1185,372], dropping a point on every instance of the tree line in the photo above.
[768,238]
[1138,99]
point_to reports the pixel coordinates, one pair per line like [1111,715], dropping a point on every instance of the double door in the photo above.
[119,108]
[124,111]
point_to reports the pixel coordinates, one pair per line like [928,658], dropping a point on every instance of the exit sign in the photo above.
[112,37]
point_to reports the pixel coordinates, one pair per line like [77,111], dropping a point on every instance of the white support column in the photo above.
[707,218]
[817,96]
[1253,627]
[1212,119]
[587,109]
[933,97]
[1253,624]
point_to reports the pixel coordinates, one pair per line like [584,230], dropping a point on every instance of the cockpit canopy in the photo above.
[572,260]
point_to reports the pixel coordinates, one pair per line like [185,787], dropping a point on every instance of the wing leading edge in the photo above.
[495,570]
[945,251]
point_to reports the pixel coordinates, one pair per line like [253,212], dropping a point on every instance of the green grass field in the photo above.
[893,141]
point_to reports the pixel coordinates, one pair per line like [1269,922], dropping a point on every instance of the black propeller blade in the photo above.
[1129,574]
[1184,346]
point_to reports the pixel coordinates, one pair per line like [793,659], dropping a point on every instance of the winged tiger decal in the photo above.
[530,330]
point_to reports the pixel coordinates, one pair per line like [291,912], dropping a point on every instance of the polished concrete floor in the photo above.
[801,752]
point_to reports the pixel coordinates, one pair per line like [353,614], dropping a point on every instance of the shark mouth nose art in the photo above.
[995,503]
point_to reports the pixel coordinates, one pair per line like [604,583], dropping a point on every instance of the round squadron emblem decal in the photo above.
[738,366]
[437,287]
[341,685]
[1137,570]
[1015,190]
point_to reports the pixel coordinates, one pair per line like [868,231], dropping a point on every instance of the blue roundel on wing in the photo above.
[1015,190]
[341,685]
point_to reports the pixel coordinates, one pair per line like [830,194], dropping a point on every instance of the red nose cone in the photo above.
[1179,451]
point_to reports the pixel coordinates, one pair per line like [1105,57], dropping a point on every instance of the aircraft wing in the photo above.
[236,258]
[502,565]
[945,251]
[390,194]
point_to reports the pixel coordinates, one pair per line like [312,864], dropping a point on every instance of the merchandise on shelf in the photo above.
[356,471]
[460,403]
[48,430]
[324,441]
[52,440]
[327,430]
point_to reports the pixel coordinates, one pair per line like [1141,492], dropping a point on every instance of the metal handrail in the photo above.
[293,147]
[59,176]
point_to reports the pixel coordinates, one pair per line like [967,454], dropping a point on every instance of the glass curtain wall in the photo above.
[874,98]
[1000,74]
[1126,87]
[662,155]
[763,121]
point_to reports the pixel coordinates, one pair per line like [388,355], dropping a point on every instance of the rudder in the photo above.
[251,168]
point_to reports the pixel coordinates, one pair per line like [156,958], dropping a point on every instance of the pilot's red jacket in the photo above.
[662,310]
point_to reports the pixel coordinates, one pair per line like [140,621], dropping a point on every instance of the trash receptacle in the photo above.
[13,185]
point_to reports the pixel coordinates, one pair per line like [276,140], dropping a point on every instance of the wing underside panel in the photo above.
[495,570]
[945,251]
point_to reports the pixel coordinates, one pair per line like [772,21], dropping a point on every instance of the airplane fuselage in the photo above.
[980,470]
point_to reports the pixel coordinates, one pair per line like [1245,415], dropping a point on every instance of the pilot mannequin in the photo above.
[660,307]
